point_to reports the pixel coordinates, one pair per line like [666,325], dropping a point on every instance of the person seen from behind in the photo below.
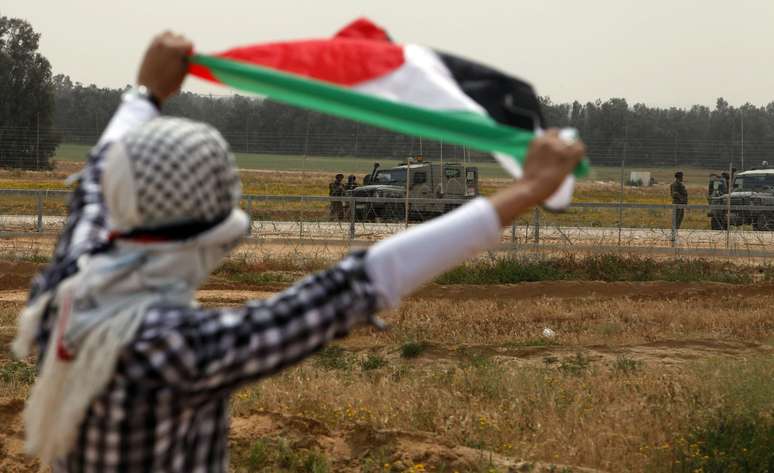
[133,375]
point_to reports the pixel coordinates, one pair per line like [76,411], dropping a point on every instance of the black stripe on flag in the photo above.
[506,99]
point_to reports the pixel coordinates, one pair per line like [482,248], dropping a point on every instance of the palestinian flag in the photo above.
[361,74]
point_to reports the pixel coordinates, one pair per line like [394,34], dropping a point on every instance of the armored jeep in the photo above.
[442,183]
[753,189]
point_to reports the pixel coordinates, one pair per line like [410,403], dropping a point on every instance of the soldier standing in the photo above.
[679,197]
[336,189]
[349,187]
[351,182]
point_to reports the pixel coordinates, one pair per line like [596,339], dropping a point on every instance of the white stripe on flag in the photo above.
[423,81]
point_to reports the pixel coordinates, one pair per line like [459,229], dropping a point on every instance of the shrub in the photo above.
[626,366]
[728,444]
[278,455]
[334,357]
[17,373]
[258,456]
[576,366]
[373,362]
[412,349]
[608,267]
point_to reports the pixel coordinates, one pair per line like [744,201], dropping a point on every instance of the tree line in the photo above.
[27,137]
[38,111]
[613,129]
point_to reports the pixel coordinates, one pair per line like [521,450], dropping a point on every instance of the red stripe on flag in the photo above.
[202,72]
[363,28]
[341,61]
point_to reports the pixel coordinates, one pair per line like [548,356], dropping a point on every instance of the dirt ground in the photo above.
[346,445]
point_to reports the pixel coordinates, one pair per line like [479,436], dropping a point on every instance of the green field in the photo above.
[71,152]
[360,166]
[272,162]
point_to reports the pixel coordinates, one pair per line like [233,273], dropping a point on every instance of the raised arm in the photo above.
[161,74]
[205,352]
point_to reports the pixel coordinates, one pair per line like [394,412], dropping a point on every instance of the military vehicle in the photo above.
[753,188]
[440,182]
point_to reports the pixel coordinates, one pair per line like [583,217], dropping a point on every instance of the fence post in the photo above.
[351,218]
[621,197]
[513,231]
[728,205]
[536,226]
[301,216]
[674,225]
[249,215]
[39,224]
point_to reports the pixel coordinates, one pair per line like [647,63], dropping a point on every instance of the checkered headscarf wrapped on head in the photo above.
[170,171]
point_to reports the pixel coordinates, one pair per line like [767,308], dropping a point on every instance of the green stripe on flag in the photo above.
[468,129]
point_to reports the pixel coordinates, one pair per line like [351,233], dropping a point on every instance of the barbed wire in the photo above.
[300,224]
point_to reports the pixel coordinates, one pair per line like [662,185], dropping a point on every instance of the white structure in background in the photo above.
[640,178]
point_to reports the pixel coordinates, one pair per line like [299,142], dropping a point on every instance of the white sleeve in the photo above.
[400,264]
[133,112]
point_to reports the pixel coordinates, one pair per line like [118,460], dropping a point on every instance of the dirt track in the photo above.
[15,277]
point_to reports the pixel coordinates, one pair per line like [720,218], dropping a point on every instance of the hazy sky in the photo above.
[661,52]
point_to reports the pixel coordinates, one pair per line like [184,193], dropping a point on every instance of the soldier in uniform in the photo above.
[336,189]
[679,197]
[349,187]
[726,182]
[351,182]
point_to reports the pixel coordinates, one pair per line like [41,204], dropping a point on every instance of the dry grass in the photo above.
[620,385]
[575,411]
[619,388]
[579,321]
[16,377]
[627,384]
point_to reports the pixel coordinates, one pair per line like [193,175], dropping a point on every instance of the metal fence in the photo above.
[318,225]
[29,147]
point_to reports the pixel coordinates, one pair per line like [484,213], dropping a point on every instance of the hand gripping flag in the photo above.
[360,74]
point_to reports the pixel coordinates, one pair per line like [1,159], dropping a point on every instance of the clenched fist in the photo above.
[163,68]
[549,160]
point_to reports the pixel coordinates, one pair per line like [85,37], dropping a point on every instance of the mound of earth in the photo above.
[395,450]
[346,450]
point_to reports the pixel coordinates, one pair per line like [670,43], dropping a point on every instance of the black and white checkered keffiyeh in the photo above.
[180,171]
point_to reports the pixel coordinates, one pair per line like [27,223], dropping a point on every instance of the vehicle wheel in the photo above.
[762,223]
[718,223]
[373,214]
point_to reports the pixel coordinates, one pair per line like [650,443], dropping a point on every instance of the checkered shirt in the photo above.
[166,407]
